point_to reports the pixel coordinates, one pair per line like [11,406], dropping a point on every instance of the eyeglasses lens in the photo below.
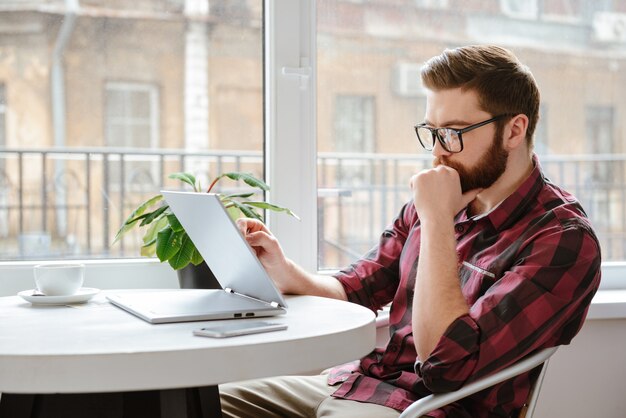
[449,138]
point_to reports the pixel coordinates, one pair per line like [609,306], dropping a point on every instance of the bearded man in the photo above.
[487,263]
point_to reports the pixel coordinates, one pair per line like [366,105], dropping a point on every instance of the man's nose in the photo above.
[439,150]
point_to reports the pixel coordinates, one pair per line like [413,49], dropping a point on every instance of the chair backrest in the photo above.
[529,408]
[432,402]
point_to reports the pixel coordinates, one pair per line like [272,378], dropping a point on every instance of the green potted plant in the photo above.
[166,238]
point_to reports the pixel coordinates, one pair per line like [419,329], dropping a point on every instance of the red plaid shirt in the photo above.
[528,270]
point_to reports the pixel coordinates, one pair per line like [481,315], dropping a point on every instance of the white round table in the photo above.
[97,347]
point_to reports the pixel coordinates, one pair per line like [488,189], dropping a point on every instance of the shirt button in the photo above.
[459,228]
[392,348]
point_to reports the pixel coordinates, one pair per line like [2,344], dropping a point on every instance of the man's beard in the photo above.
[486,172]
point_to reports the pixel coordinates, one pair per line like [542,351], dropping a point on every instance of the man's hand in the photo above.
[437,193]
[289,277]
[266,246]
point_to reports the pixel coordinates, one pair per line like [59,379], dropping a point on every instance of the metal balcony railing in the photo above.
[69,203]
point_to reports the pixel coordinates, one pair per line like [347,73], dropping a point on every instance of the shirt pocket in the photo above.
[475,281]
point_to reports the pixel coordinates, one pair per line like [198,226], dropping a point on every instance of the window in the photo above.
[4,186]
[599,130]
[221,104]
[432,4]
[542,143]
[379,57]
[520,9]
[354,132]
[562,10]
[601,178]
[132,122]
[132,92]
[3,116]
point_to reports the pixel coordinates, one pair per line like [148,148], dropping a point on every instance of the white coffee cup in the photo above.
[59,279]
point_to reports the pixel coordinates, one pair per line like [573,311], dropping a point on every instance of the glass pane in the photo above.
[115,103]
[142,90]
[374,50]
[3,113]
[563,9]
[139,104]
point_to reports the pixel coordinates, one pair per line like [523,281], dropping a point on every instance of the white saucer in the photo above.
[82,296]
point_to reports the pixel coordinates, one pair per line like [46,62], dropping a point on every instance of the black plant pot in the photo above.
[197,277]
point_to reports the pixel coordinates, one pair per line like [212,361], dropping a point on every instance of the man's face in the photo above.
[483,159]
[486,171]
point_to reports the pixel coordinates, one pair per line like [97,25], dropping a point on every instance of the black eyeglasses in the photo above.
[450,139]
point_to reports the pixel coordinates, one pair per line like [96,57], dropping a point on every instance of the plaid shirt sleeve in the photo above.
[373,280]
[547,290]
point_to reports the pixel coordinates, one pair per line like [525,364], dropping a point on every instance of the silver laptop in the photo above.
[247,291]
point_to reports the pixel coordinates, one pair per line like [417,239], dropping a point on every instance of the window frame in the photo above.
[290,131]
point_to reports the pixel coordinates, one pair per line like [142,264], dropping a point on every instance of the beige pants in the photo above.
[293,396]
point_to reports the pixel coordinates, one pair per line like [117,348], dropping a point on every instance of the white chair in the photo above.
[432,402]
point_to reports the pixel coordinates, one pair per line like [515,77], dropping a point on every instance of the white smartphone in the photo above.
[238,327]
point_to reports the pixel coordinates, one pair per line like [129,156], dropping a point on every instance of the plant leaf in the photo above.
[247,211]
[186,178]
[183,256]
[148,250]
[152,216]
[272,207]
[196,258]
[174,223]
[153,229]
[241,195]
[168,243]
[233,212]
[130,222]
[247,178]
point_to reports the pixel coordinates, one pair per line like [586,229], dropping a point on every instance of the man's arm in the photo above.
[540,301]
[438,299]
[288,276]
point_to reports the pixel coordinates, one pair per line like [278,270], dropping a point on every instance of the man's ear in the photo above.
[516,130]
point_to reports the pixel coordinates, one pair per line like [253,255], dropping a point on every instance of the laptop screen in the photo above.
[222,246]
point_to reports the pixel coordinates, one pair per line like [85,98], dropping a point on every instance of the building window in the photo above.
[3,115]
[542,144]
[599,130]
[354,123]
[562,10]
[520,9]
[354,133]
[132,116]
[432,4]
[601,194]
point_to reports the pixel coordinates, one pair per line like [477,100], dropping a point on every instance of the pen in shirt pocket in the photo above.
[478,269]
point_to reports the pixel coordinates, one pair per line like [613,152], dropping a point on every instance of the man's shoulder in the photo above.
[560,202]
[563,211]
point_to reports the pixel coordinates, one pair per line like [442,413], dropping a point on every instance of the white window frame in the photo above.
[290,131]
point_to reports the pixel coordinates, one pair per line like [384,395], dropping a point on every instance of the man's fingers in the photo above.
[247,225]
[258,239]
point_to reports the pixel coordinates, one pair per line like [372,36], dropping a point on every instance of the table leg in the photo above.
[206,400]
[105,405]
[16,406]
[199,402]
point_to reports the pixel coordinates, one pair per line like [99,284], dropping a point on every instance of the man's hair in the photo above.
[504,85]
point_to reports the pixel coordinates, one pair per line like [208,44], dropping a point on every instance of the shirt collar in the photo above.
[512,207]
